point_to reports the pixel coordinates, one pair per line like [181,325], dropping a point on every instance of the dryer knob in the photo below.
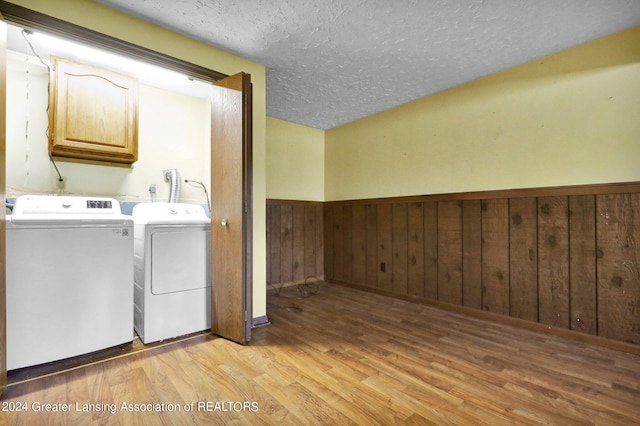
[173,211]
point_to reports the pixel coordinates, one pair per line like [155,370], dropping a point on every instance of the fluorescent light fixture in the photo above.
[145,72]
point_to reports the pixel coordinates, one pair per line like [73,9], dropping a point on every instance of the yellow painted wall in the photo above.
[568,118]
[295,161]
[97,17]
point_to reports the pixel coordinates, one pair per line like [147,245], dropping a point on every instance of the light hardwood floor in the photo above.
[342,356]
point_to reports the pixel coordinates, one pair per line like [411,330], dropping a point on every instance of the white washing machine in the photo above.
[69,278]
[172,275]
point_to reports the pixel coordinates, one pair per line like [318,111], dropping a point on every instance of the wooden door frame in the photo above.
[33,20]
[3,159]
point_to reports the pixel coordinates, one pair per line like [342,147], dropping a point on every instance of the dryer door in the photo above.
[179,260]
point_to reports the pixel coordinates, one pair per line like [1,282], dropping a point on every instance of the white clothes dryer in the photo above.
[172,278]
[69,278]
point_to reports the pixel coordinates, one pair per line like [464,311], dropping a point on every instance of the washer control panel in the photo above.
[99,204]
[65,205]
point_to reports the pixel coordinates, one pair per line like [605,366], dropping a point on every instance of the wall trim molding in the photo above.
[260,321]
[276,201]
[591,189]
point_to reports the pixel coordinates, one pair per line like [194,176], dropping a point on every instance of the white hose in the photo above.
[173,177]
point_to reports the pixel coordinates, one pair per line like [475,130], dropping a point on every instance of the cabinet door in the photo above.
[93,113]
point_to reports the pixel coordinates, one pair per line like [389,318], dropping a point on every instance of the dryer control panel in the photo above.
[169,213]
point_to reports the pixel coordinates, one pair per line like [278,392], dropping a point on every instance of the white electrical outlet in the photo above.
[61,182]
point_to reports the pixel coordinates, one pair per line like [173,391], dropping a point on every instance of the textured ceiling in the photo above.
[330,62]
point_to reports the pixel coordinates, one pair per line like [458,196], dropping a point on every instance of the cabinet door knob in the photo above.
[224,222]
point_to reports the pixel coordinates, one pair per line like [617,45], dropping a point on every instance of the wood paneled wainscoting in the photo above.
[566,258]
[295,238]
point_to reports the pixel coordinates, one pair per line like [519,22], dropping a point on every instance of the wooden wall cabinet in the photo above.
[93,113]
